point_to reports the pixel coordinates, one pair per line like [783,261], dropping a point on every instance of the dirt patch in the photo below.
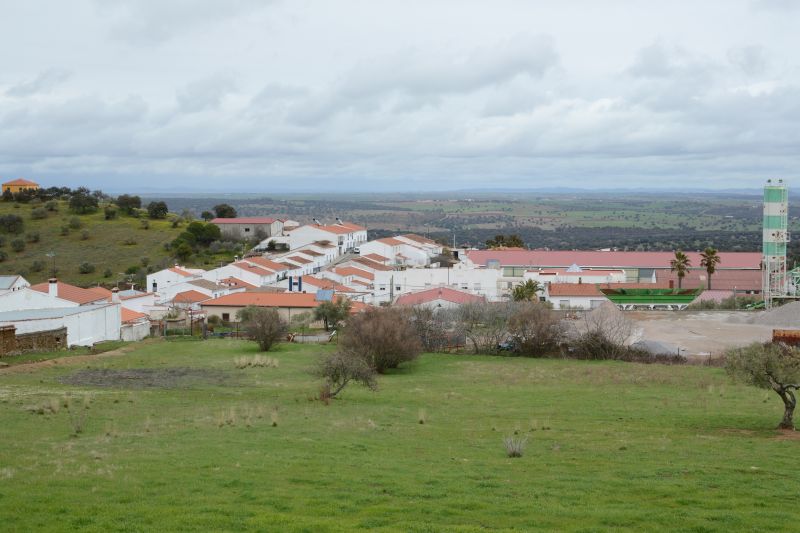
[72,359]
[787,434]
[146,378]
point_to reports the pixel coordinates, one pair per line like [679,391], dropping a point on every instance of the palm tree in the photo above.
[710,260]
[680,265]
[527,292]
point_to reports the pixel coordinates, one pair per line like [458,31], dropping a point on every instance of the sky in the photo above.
[373,95]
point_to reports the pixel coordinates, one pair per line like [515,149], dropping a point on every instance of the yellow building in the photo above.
[18,185]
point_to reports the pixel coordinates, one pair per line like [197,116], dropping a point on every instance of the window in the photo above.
[247,230]
[465,286]
[476,286]
[563,304]
[226,317]
[397,288]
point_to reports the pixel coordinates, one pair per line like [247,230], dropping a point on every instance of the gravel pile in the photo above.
[787,316]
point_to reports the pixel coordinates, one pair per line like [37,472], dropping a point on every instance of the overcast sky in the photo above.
[251,95]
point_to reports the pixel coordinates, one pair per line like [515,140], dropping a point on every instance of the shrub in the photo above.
[129,204]
[263,325]
[332,312]
[535,329]
[339,369]
[383,338]
[37,266]
[214,320]
[107,273]
[18,245]
[2,241]
[110,212]
[515,446]
[144,224]
[38,213]
[12,224]
[75,223]
[129,241]
[82,202]
[85,235]
[52,206]
[485,325]
[157,210]
[3,256]
[64,230]
[86,268]
[33,237]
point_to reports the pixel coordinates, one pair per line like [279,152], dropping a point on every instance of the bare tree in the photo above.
[434,328]
[382,337]
[536,329]
[485,325]
[263,325]
[340,369]
[769,366]
[603,333]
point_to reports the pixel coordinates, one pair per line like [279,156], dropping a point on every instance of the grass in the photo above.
[608,446]
[112,244]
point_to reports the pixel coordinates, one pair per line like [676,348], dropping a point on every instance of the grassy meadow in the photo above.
[175,437]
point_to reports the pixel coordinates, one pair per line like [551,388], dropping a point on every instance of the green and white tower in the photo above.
[776,236]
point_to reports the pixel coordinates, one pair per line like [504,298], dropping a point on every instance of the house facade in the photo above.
[248,227]
[18,185]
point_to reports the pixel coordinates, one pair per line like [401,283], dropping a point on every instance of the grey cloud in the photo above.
[752,60]
[205,94]
[44,82]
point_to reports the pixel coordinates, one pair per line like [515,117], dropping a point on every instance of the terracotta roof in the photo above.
[22,182]
[255,269]
[301,260]
[181,272]
[244,220]
[236,283]
[264,299]
[266,263]
[206,284]
[324,283]
[391,241]
[359,282]
[129,315]
[376,257]
[71,292]
[419,238]
[546,258]
[190,297]
[352,271]
[374,265]
[102,292]
[438,293]
[340,229]
[324,244]
[575,289]
[312,253]
[564,272]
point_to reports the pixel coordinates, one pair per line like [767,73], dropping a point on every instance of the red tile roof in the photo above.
[312,253]
[190,297]
[266,263]
[129,315]
[546,258]
[301,260]
[438,293]
[22,183]
[236,283]
[102,292]
[419,238]
[255,269]
[391,241]
[264,299]
[352,271]
[340,229]
[374,265]
[71,293]
[181,272]
[376,257]
[323,283]
[575,289]
[244,220]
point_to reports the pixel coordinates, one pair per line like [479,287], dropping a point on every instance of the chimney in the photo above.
[52,287]
[115,295]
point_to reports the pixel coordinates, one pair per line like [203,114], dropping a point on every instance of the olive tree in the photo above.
[485,325]
[536,329]
[332,312]
[769,366]
[339,369]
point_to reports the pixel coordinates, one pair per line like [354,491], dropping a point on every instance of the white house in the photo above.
[12,283]
[86,324]
[398,252]
[438,298]
[574,295]
[478,281]
[575,274]
[162,279]
[29,298]
[135,325]
[248,227]
[345,236]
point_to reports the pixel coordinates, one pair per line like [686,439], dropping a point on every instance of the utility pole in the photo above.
[52,255]
[391,289]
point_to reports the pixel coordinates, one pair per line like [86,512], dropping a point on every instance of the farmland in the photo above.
[174,436]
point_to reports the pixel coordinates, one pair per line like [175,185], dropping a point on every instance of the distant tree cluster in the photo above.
[505,241]
[196,236]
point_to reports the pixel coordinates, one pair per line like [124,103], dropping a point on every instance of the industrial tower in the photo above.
[776,236]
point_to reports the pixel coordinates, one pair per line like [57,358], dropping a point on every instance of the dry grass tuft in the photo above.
[422,416]
[255,361]
[515,446]
[273,416]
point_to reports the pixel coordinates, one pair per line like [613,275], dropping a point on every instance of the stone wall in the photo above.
[8,340]
[39,341]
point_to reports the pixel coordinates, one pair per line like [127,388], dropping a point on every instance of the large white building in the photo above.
[345,236]
[388,284]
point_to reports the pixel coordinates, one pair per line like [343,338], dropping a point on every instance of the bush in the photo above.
[144,224]
[12,224]
[51,206]
[3,256]
[129,241]
[107,273]
[75,223]
[85,235]
[86,268]
[214,320]
[383,338]
[157,210]
[33,237]
[339,369]
[515,446]
[37,266]
[536,331]
[64,230]
[39,213]
[110,212]
[83,202]
[129,204]
[18,245]
[263,325]
[2,241]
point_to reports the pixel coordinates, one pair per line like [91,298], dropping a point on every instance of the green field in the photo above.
[115,245]
[610,446]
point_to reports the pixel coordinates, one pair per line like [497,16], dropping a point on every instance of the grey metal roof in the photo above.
[7,281]
[41,314]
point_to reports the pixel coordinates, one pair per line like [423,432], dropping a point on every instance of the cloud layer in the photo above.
[254,96]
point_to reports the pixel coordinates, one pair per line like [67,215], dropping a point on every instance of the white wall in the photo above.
[165,278]
[479,281]
[30,299]
[575,302]
[95,323]
[136,331]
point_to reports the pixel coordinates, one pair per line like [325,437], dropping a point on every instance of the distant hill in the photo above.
[112,247]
